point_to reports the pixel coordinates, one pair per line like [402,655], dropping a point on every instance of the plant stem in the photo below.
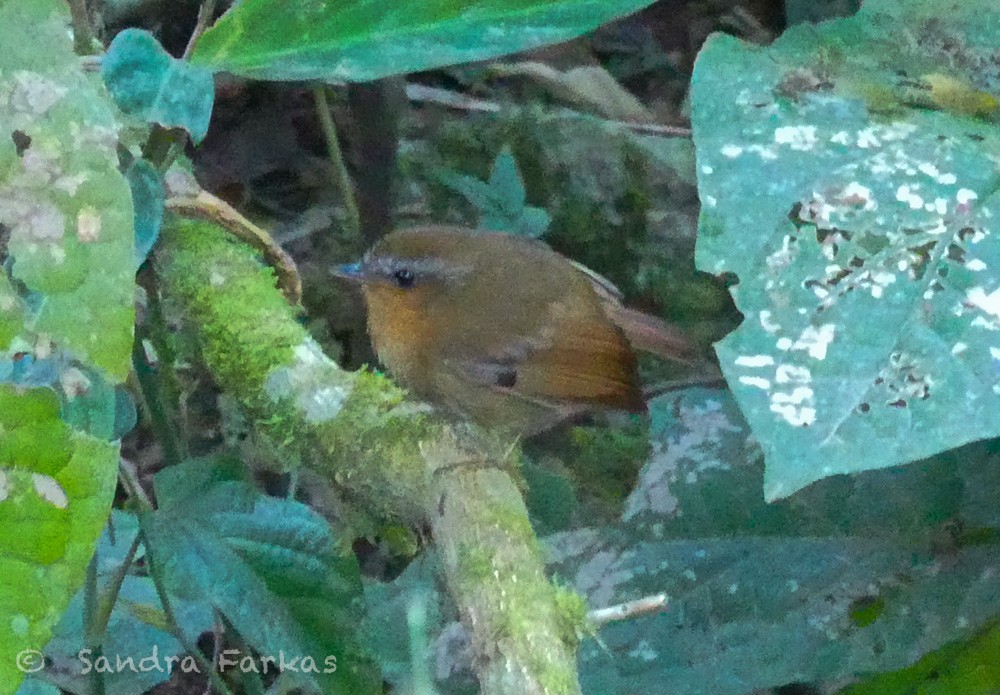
[156,412]
[341,179]
[205,12]
[203,664]
[83,32]
[130,481]
[107,602]
[93,637]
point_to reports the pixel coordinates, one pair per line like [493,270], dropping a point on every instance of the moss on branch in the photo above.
[388,457]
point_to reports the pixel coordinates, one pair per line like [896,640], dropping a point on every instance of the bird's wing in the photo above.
[643,332]
[591,363]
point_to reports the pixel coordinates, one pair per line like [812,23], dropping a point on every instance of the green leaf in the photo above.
[863,233]
[147,82]
[969,668]
[56,486]
[12,312]
[359,40]
[67,208]
[268,565]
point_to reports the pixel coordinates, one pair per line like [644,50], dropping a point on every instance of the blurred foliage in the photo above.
[66,295]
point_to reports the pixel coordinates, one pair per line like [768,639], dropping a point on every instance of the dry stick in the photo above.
[455,100]
[187,198]
[628,610]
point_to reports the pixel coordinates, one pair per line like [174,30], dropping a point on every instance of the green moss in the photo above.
[475,566]
[605,460]
[866,610]
[521,618]
[572,608]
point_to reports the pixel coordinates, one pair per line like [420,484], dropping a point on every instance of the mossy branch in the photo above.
[383,454]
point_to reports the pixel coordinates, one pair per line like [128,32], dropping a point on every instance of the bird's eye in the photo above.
[404,277]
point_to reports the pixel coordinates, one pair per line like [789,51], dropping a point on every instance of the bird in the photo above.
[502,330]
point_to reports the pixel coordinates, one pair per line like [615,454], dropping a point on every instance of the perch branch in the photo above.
[384,455]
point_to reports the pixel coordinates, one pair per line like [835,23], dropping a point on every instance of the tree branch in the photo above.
[386,456]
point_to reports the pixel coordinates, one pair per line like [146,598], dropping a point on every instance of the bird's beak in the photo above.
[349,271]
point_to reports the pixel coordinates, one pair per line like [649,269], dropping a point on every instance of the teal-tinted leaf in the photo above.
[24,369]
[34,686]
[65,205]
[91,404]
[361,40]
[147,200]
[477,192]
[762,612]
[501,200]
[705,472]
[532,222]
[126,416]
[506,184]
[147,82]
[863,232]
[268,565]
[703,482]
[385,603]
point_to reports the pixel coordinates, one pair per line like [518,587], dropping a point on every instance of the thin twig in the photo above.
[83,31]
[186,198]
[205,12]
[156,408]
[455,100]
[341,179]
[707,381]
[129,478]
[103,617]
[628,610]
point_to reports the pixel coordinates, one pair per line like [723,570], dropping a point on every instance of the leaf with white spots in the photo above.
[56,486]
[863,233]
[65,206]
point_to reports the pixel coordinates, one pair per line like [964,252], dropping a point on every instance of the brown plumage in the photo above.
[501,329]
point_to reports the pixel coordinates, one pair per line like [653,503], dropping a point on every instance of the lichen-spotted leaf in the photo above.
[857,208]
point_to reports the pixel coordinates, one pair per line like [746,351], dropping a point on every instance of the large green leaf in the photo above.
[55,492]
[848,179]
[358,40]
[67,208]
[268,565]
